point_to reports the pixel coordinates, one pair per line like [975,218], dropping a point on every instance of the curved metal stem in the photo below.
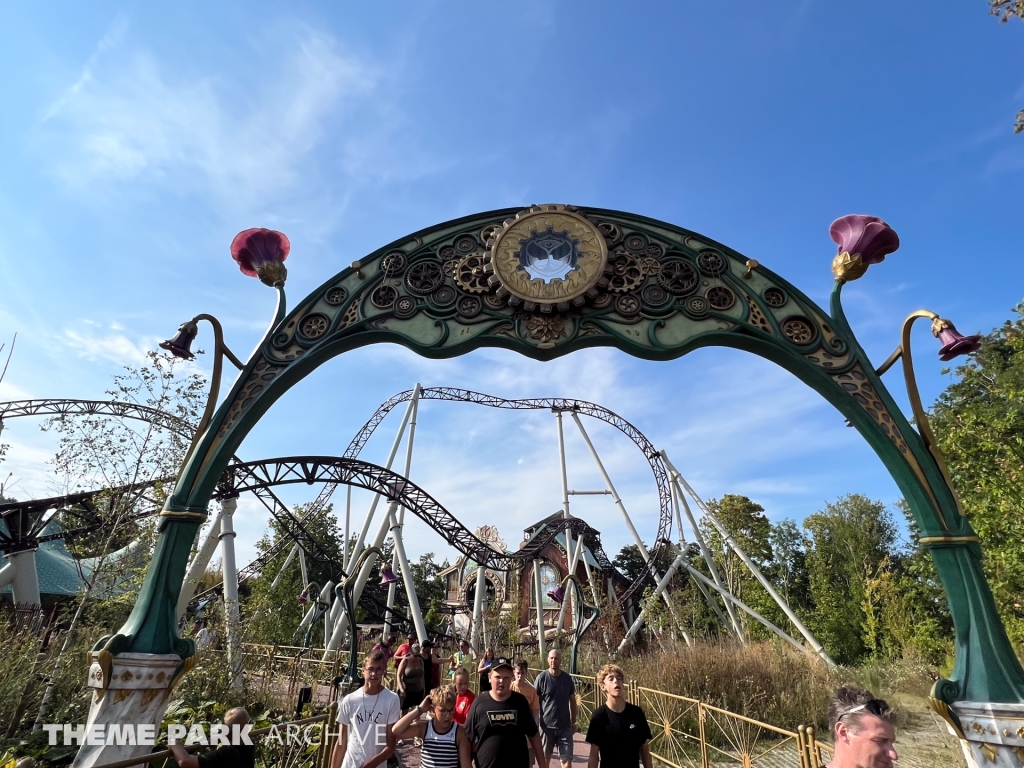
[220,351]
[581,624]
[924,427]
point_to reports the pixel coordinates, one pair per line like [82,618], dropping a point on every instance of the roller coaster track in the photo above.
[246,476]
[28,533]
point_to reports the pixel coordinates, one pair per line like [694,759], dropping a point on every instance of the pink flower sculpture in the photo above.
[261,253]
[863,241]
[953,342]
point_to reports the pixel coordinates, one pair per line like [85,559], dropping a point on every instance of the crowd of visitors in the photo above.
[512,723]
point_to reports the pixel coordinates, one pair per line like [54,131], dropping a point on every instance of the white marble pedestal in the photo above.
[128,689]
[994,733]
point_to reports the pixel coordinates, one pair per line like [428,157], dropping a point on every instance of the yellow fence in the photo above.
[687,733]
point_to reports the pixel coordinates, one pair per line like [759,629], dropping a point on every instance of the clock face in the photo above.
[548,581]
[549,255]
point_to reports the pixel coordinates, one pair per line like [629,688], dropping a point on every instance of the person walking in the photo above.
[521,685]
[461,657]
[464,697]
[557,694]
[863,730]
[367,717]
[500,723]
[405,648]
[484,668]
[619,732]
[411,677]
[443,742]
[386,646]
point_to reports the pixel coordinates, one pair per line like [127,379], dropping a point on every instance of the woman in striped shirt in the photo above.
[445,743]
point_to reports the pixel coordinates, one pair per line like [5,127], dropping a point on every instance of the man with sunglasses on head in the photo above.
[863,730]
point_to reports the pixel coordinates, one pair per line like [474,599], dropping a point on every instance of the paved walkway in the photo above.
[409,755]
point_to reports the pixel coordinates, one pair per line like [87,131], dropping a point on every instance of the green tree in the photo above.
[430,589]
[850,541]
[746,522]
[979,424]
[630,562]
[788,571]
[1005,10]
[272,614]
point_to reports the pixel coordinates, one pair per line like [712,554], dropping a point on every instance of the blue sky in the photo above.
[136,141]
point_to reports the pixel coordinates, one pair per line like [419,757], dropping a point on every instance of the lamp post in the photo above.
[991,707]
[133,672]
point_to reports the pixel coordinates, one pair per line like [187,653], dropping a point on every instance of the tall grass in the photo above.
[766,681]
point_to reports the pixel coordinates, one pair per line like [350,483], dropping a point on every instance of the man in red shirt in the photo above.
[464,697]
[405,649]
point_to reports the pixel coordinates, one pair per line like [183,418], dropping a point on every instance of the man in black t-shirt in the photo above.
[500,723]
[618,732]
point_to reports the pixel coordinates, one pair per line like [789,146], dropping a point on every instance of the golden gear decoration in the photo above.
[627,273]
[650,266]
[470,274]
[590,246]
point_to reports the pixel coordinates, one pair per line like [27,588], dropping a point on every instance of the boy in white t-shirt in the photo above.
[366,717]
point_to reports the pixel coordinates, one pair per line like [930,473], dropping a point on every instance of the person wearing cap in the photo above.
[500,723]
[557,694]
[863,730]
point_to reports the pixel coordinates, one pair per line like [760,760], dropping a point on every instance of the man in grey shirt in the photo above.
[557,694]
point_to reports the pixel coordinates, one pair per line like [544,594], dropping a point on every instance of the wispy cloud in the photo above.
[127,118]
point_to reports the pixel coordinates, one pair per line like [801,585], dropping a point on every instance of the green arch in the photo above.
[428,292]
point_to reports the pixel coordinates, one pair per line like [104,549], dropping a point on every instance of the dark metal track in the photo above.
[30,522]
[566,405]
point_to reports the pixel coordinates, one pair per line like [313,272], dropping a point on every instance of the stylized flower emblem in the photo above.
[261,253]
[863,241]
[953,342]
[545,329]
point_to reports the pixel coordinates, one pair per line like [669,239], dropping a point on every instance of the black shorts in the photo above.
[413,698]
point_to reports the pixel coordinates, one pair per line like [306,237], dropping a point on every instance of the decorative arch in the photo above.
[549,280]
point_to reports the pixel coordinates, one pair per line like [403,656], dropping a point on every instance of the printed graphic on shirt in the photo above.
[502,716]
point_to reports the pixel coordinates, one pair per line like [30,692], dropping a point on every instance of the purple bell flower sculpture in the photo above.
[863,241]
[261,253]
[953,342]
[387,576]
[181,345]
[557,594]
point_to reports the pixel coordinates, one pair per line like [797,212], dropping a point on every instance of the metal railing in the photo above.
[687,733]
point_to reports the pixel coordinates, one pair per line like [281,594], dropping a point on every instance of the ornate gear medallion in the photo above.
[469,306]
[383,296]
[548,255]
[627,273]
[470,274]
[678,277]
[314,326]
[799,330]
[720,297]
[405,307]
[424,277]
[393,263]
